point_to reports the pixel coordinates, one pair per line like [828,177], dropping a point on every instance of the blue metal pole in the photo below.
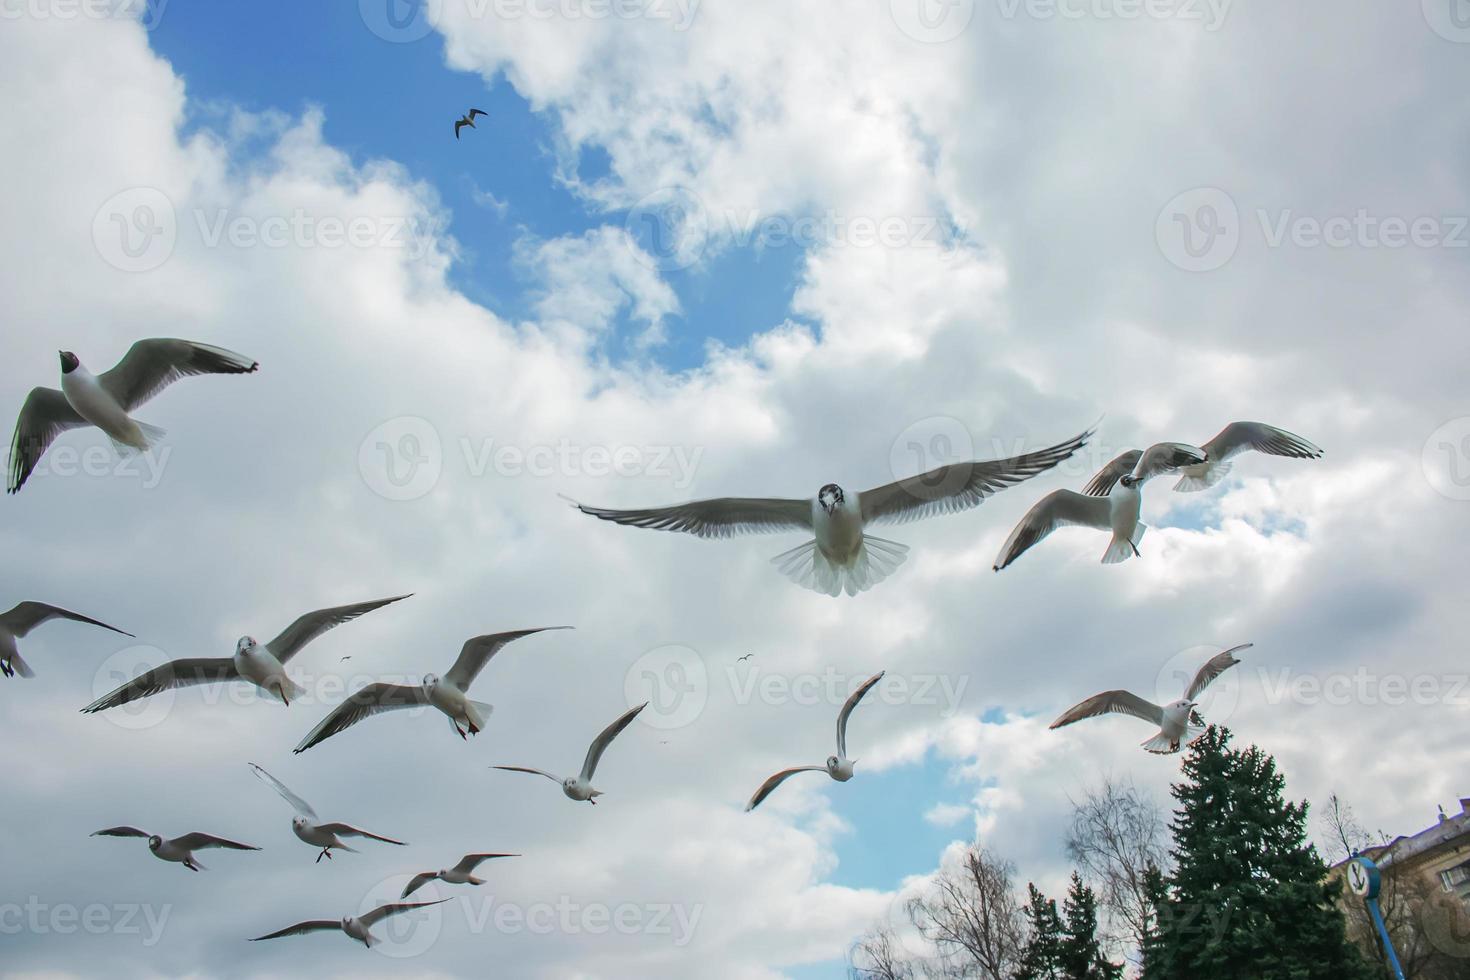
[1393,957]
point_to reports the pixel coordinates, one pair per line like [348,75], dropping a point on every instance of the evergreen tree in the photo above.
[1041,960]
[1248,898]
[1080,954]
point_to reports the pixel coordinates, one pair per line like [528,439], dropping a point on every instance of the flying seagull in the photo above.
[838,766]
[744,658]
[1234,439]
[579,787]
[177,849]
[468,119]
[461,874]
[1116,509]
[306,823]
[356,926]
[263,666]
[843,557]
[105,400]
[1178,722]
[21,620]
[448,693]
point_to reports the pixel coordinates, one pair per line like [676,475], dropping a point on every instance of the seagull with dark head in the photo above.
[842,556]
[179,850]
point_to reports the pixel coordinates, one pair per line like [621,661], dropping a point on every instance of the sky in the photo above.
[703,249]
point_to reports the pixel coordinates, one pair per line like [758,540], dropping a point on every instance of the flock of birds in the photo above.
[842,556]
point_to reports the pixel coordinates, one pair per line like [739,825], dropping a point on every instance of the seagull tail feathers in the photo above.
[1160,744]
[478,711]
[1193,479]
[876,559]
[21,667]
[1121,550]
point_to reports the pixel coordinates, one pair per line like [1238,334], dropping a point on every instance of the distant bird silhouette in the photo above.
[746,657]
[468,119]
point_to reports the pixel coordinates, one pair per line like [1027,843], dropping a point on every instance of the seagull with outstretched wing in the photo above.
[579,787]
[1237,438]
[468,119]
[24,617]
[107,400]
[448,693]
[842,556]
[1179,723]
[838,766]
[180,850]
[307,826]
[462,873]
[263,666]
[356,926]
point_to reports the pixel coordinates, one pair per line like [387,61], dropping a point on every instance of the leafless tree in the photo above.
[1117,834]
[972,917]
[878,956]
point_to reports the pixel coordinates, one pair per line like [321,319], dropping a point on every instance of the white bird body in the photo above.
[839,532]
[95,403]
[256,664]
[1124,505]
[449,698]
[314,835]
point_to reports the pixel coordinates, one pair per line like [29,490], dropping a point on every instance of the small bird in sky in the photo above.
[579,787]
[25,617]
[468,119]
[838,766]
[1234,439]
[744,658]
[843,556]
[307,826]
[263,666]
[177,849]
[1178,721]
[106,400]
[447,693]
[461,874]
[355,926]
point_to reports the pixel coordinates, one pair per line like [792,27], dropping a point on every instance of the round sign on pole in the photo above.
[1363,878]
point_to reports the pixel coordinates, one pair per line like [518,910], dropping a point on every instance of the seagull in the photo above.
[744,658]
[178,849]
[579,787]
[838,766]
[305,825]
[25,617]
[843,557]
[1234,439]
[1178,722]
[446,693]
[1111,502]
[468,119]
[461,874]
[356,926]
[106,400]
[263,666]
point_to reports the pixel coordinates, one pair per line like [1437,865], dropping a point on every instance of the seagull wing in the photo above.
[175,673]
[1237,437]
[302,807]
[371,700]
[302,928]
[122,832]
[1213,668]
[477,652]
[959,486]
[28,615]
[1166,457]
[1057,509]
[604,739]
[1112,702]
[383,911]
[769,785]
[470,862]
[197,841]
[347,830]
[722,517]
[45,415]
[458,125]
[150,366]
[476,112]
[534,772]
[1105,479]
[418,881]
[852,702]
[314,624]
